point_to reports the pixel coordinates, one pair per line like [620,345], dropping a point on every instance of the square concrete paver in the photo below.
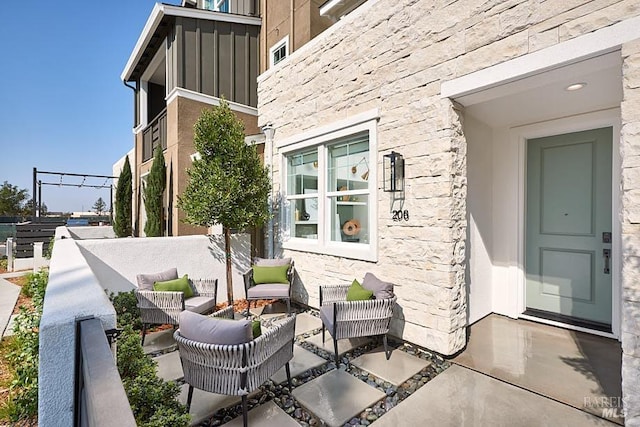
[159,341]
[276,309]
[462,397]
[343,345]
[169,366]
[302,361]
[306,323]
[399,368]
[336,397]
[204,405]
[266,415]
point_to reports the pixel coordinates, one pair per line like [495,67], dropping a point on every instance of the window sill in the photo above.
[358,251]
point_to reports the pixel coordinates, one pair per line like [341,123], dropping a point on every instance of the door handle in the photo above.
[606,253]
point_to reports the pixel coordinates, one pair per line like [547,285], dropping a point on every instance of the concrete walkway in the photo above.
[459,396]
[8,297]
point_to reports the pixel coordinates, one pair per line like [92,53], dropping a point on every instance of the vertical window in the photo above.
[348,189]
[216,5]
[302,190]
[279,51]
[330,187]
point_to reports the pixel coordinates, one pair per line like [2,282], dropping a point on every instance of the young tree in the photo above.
[228,184]
[153,195]
[99,206]
[122,221]
[12,200]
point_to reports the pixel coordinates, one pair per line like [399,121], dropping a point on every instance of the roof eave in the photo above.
[159,12]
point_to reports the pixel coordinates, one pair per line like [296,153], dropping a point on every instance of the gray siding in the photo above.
[214,58]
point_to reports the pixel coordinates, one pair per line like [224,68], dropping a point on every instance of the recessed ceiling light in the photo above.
[575,86]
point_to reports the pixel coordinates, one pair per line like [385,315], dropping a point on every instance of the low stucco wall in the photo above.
[116,262]
[83,233]
[81,271]
[73,292]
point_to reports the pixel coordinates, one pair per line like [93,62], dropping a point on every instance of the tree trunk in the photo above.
[227,250]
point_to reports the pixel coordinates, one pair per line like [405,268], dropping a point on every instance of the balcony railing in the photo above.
[154,135]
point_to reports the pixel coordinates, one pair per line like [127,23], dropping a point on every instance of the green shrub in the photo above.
[153,401]
[126,306]
[49,250]
[4,264]
[23,355]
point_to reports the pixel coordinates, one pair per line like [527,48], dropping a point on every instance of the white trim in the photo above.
[255,139]
[276,46]
[318,135]
[566,326]
[208,99]
[326,8]
[138,128]
[519,135]
[143,97]
[321,138]
[587,46]
[159,11]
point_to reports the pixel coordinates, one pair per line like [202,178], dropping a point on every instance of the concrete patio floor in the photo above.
[573,368]
[458,396]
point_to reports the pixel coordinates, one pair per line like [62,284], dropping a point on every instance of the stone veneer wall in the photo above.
[630,217]
[393,56]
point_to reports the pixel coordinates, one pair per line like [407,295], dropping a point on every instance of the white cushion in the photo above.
[146,281]
[275,262]
[200,304]
[269,290]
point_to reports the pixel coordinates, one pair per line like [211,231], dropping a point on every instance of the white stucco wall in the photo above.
[73,292]
[81,271]
[84,233]
[116,262]
[480,218]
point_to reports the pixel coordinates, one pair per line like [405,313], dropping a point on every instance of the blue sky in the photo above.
[63,107]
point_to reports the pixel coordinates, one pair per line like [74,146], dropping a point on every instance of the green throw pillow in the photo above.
[269,274]
[176,285]
[357,293]
[257,330]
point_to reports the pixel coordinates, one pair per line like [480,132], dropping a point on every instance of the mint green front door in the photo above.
[569,225]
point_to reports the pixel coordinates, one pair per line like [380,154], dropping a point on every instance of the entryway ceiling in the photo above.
[544,96]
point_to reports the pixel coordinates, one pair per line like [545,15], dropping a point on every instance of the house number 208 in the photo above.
[400,215]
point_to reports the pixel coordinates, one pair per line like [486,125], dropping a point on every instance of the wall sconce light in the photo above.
[393,172]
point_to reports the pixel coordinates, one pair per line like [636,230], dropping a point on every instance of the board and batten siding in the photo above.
[214,58]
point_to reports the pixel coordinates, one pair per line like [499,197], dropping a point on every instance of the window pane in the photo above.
[350,219]
[349,164]
[302,173]
[305,218]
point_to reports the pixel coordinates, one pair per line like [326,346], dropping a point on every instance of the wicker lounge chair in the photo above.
[236,370]
[255,292]
[159,308]
[352,319]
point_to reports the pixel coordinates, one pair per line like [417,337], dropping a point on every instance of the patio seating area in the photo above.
[413,387]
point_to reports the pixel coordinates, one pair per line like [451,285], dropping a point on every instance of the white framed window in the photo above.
[329,184]
[279,51]
[216,5]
